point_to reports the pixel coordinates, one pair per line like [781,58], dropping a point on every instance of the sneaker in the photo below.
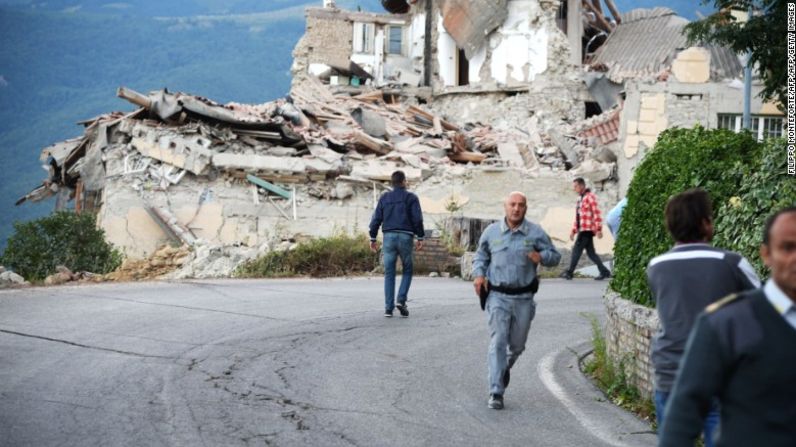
[566,275]
[506,377]
[495,402]
[603,276]
[403,309]
[388,313]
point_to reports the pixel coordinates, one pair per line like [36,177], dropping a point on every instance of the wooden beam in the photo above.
[465,157]
[378,146]
[599,18]
[614,11]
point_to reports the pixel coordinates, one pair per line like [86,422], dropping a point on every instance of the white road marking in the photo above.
[549,380]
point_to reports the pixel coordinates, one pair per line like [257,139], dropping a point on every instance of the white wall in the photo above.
[446,55]
[517,49]
[519,46]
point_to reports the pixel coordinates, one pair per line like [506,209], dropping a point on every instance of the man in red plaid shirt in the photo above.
[588,222]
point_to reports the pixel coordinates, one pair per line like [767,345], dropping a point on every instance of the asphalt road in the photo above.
[292,363]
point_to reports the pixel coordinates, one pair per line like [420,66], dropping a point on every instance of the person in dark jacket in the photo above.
[685,280]
[399,215]
[743,350]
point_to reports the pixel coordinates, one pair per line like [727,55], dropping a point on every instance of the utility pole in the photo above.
[427,65]
[747,83]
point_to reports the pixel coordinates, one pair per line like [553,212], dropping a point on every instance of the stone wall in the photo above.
[628,333]
[434,257]
[649,109]
[325,41]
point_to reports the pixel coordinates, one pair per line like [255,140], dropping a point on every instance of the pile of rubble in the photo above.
[165,260]
[200,173]
[63,275]
[310,136]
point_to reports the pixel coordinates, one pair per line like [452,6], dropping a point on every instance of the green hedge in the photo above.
[765,188]
[338,255]
[63,238]
[681,159]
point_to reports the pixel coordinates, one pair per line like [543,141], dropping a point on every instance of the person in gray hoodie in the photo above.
[685,280]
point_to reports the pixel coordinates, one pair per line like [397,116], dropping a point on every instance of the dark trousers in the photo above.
[585,240]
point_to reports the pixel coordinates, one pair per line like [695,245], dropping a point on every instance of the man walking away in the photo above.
[684,281]
[588,222]
[401,220]
[743,350]
[505,263]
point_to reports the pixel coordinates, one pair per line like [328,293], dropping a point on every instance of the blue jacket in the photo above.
[398,210]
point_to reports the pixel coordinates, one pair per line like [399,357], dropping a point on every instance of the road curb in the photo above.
[560,372]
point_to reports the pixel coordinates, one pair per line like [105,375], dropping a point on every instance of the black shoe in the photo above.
[495,402]
[403,309]
[506,377]
[603,276]
[566,275]
[388,313]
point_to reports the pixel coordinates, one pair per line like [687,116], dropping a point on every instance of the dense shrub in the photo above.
[681,159]
[765,188]
[63,238]
[337,255]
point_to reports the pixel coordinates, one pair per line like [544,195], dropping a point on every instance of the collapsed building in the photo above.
[470,99]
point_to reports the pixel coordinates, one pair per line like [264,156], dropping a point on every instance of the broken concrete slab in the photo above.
[382,170]
[252,163]
[510,153]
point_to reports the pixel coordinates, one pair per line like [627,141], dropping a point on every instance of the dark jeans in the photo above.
[585,240]
[711,420]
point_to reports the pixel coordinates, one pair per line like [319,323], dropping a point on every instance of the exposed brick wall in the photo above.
[328,41]
[434,257]
[628,333]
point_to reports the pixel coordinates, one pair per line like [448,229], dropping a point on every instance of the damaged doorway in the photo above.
[462,68]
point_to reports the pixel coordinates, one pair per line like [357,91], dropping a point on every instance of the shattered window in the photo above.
[396,40]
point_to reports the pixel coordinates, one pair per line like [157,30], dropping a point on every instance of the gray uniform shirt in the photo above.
[684,281]
[502,254]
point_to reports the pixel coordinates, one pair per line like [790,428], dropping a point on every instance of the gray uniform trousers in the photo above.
[510,319]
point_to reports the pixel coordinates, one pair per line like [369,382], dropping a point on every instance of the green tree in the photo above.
[681,159]
[765,188]
[64,238]
[763,36]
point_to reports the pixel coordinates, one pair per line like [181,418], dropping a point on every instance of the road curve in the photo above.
[290,363]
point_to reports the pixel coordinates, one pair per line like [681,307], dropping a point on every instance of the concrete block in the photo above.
[648,128]
[632,127]
[647,115]
[692,66]
[631,145]
[510,153]
[656,101]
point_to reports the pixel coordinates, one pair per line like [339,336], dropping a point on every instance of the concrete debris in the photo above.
[313,135]
[11,279]
[214,261]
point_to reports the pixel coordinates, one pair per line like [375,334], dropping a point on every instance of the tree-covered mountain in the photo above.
[62,60]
